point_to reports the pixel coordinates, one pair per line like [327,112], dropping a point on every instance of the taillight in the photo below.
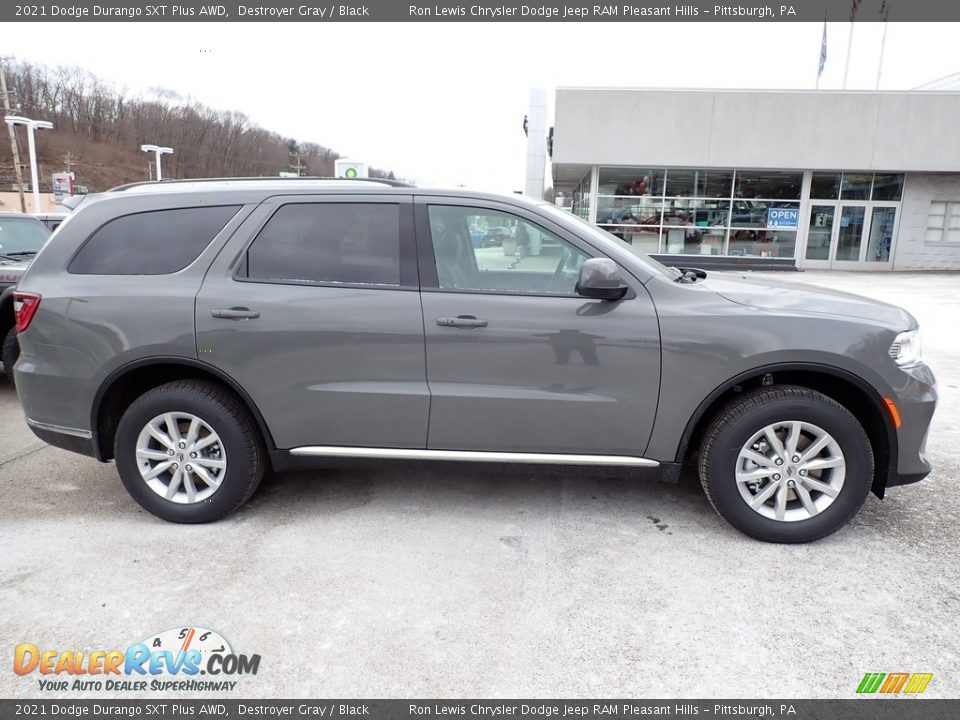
[24,308]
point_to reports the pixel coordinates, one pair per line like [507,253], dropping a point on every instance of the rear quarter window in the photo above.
[158,242]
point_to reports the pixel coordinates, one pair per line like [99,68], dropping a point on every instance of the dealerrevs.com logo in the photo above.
[178,659]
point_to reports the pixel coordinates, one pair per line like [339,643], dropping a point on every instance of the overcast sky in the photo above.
[443,104]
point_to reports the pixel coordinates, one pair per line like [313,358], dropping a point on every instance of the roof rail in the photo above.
[262,178]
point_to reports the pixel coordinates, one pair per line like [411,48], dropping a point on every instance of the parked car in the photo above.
[52,220]
[21,238]
[199,332]
[478,237]
[489,237]
[496,235]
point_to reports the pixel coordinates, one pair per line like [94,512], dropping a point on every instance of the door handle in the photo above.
[461,321]
[235,313]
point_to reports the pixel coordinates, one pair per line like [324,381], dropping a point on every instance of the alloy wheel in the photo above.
[181,458]
[790,471]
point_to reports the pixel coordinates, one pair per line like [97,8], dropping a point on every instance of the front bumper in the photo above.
[916,400]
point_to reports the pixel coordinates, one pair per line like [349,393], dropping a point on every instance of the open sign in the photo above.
[783,217]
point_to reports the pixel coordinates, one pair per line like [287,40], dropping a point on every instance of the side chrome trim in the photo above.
[85,434]
[471,456]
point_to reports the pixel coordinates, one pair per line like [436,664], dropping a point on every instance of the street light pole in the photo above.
[157,150]
[32,126]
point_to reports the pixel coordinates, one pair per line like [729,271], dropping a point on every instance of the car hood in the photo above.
[792,296]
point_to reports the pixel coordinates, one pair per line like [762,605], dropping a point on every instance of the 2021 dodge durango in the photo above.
[199,332]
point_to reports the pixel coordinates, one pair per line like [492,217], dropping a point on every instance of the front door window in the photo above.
[489,250]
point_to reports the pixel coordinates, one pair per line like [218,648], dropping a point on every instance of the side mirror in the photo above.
[601,278]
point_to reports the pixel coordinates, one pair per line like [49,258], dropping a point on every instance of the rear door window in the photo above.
[349,243]
[158,242]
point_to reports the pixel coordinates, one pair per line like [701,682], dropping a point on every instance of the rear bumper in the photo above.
[78,441]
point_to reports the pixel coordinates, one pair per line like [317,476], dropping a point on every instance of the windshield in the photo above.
[21,236]
[648,262]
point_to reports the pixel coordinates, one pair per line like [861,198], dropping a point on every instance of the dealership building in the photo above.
[764,179]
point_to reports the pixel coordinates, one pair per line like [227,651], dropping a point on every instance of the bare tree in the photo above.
[103,127]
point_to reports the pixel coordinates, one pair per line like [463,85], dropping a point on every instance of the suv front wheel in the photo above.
[189,452]
[786,464]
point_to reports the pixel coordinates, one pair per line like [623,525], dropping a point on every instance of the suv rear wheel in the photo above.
[786,464]
[189,452]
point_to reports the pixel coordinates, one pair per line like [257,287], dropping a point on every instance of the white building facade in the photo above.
[842,180]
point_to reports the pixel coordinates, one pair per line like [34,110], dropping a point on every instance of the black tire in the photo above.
[752,412]
[9,352]
[224,413]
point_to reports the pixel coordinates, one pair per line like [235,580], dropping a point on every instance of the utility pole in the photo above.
[295,165]
[13,137]
[69,161]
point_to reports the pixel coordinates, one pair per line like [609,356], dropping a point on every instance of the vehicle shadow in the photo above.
[458,488]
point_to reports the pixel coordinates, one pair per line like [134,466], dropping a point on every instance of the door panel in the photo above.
[530,369]
[546,374]
[326,363]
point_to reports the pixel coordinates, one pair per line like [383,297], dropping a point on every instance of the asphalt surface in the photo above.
[434,581]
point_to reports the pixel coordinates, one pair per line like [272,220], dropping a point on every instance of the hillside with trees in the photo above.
[99,129]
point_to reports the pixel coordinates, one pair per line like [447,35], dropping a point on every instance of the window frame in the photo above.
[942,242]
[409,276]
[429,281]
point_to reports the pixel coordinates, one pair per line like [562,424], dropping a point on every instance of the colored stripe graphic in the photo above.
[894,682]
[918,682]
[870,682]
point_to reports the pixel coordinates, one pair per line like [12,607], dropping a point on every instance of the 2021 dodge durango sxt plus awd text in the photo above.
[198,332]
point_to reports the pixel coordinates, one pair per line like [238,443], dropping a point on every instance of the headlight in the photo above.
[906,348]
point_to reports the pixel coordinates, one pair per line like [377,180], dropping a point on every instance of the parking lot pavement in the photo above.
[434,581]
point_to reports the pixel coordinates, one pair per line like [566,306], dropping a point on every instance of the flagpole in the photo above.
[823,52]
[883,45]
[846,67]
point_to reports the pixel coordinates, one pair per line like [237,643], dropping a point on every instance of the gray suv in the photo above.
[200,332]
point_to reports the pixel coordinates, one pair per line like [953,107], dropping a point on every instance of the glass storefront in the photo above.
[581,199]
[865,206]
[746,213]
[820,231]
[881,234]
[851,232]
